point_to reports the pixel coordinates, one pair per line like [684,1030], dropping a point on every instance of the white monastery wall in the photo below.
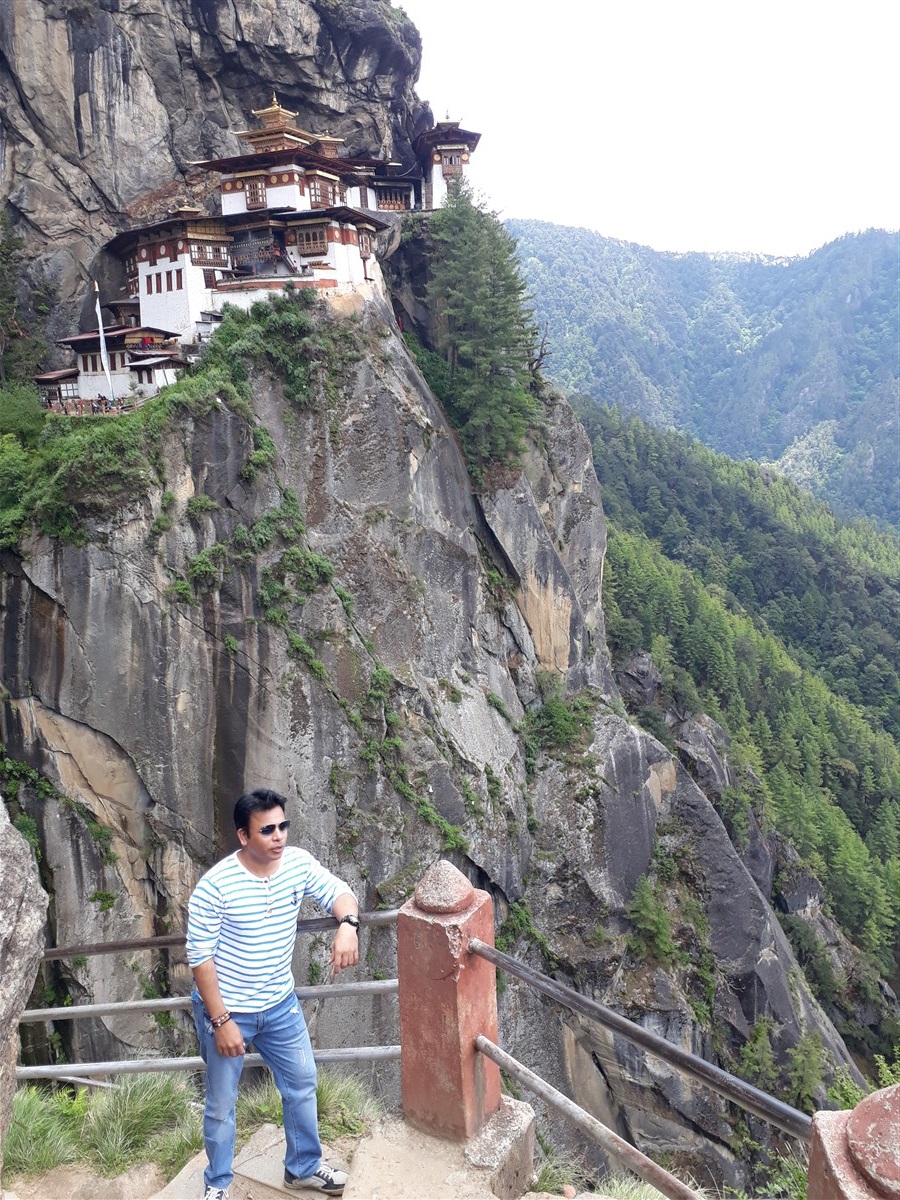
[233,202]
[438,186]
[93,384]
[287,195]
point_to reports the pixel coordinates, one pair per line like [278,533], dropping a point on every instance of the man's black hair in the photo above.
[262,800]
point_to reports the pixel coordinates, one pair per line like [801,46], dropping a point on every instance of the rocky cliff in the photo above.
[350,623]
[309,594]
[22,908]
[107,103]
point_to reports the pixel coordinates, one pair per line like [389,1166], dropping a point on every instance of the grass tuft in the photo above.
[258,1105]
[154,1118]
[42,1134]
[559,1169]
[119,1125]
[345,1105]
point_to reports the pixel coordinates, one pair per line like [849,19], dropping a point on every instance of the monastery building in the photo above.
[293,208]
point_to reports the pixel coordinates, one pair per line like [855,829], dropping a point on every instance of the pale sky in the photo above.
[769,126]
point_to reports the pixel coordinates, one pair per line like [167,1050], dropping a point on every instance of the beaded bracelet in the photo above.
[219,1021]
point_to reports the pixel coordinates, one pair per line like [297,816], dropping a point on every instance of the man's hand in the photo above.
[230,1040]
[345,949]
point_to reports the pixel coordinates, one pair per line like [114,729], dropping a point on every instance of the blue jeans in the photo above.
[280,1035]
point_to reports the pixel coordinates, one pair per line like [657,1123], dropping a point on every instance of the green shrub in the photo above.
[303,652]
[43,1133]
[652,937]
[21,413]
[346,600]
[558,1170]
[805,1072]
[308,570]
[497,703]
[345,1105]
[200,504]
[757,1061]
[28,828]
[120,1125]
[180,591]
[263,455]
[203,568]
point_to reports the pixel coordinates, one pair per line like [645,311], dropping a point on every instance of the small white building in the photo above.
[141,361]
[444,153]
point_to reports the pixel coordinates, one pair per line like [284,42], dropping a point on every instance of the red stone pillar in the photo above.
[447,997]
[856,1155]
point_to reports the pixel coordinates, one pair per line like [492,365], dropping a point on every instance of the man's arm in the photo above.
[229,1039]
[345,949]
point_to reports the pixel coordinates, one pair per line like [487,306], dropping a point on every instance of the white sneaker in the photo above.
[212,1193]
[326,1180]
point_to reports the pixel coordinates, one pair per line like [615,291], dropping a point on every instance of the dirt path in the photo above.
[78,1183]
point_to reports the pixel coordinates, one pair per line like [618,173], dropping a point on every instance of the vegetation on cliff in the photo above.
[791,360]
[481,366]
[764,610]
[55,470]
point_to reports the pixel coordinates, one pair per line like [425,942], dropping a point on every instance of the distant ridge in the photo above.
[793,361]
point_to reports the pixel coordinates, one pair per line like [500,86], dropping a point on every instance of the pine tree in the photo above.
[806,1061]
[653,930]
[883,838]
[483,329]
[757,1059]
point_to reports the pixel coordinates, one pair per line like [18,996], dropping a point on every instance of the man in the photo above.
[242,924]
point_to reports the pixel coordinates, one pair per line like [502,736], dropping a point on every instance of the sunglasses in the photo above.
[268,830]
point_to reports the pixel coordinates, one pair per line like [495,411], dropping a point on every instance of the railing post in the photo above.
[447,997]
[855,1155]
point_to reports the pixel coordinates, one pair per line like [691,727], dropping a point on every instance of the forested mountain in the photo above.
[788,360]
[763,609]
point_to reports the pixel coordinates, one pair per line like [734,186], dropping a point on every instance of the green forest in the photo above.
[791,361]
[763,609]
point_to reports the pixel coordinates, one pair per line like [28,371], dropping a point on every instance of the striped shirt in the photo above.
[248,925]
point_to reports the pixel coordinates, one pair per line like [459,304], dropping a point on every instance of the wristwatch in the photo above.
[350,919]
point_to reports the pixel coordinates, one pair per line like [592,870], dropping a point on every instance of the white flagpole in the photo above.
[104,357]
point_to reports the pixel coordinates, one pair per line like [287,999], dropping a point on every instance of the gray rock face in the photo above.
[639,680]
[23,903]
[106,105]
[385,710]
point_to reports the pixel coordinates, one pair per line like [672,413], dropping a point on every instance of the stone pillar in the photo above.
[23,904]
[856,1155]
[447,997]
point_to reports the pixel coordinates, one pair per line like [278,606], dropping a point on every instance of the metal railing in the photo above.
[77,1012]
[169,940]
[614,1145]
[147,1066]
[63,1071]
[733,1089]
[761,1104]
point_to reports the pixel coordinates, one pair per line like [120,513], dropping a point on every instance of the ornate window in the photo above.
[393,199]
[451,164]
[256,193]
[312,239]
